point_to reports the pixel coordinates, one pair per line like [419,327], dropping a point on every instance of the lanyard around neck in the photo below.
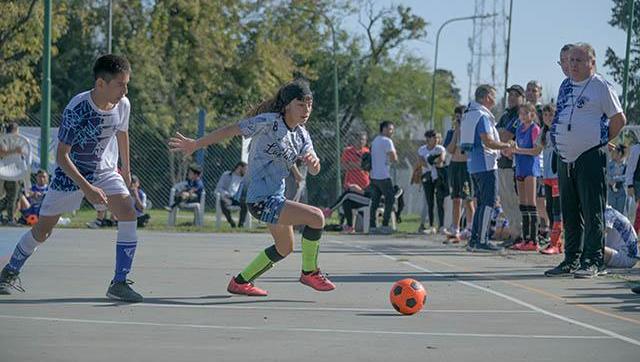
[574,101]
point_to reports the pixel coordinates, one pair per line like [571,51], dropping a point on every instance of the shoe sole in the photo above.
[314,288]
[248,294]
[582,276]
[115,297]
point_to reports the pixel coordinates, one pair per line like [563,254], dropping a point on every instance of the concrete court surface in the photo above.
[479,307]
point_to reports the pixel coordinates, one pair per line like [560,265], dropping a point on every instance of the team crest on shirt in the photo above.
[582,101]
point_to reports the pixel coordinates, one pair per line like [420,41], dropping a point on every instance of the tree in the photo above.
[620,19]
[21,39]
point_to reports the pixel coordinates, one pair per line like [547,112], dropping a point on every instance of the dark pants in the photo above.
[583,191]
[486,186]
[552,204]
[438,187]
[225,203]
[350,200]
[12,190]
[378,189]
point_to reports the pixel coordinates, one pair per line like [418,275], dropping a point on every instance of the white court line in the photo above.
[504,296]
[306,330]
[315,309]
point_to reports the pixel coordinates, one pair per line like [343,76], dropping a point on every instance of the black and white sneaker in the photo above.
[487,247]
[563,270]
[586,271]
[122,291]
[10,281]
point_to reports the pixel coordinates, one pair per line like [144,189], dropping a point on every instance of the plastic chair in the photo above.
[232,208]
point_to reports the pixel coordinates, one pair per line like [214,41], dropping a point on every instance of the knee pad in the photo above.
[311,234]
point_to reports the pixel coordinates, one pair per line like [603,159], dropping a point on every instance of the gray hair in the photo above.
[483,91]
[587,48]
[535,83]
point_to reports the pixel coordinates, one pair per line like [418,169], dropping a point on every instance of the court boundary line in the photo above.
[501,295]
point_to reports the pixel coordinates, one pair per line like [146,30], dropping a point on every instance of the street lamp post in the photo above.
[435,60]
[110,26]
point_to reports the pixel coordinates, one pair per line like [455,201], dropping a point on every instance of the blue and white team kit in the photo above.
[274,150]
[91,133]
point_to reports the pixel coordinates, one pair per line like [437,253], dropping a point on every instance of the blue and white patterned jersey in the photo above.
[91,133]
[273,151]
[582,116]
[620,233]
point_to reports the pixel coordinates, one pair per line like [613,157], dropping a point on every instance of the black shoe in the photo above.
[563,270]
[10,280]
[636,290]
[586,271]
[487,247]
[122,291]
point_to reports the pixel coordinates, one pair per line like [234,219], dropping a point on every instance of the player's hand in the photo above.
[95,196]
[611,146]
[311,161]
[183,144]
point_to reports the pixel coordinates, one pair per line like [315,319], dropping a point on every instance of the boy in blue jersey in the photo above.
[278,140]
[92,136]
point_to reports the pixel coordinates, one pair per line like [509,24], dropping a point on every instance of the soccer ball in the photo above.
[32,219]
[408,296]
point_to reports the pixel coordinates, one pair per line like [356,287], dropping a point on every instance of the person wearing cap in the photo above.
[507,126]
[192,190]
[588,117]
[278,140]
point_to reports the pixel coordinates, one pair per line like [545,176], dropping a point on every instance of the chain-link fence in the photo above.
[158,169]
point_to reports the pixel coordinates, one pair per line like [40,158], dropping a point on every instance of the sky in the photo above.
[539,29]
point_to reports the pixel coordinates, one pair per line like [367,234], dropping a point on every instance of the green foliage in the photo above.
[21,39]
[620,19]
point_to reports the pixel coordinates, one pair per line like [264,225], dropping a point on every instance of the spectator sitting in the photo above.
[229,187]
[31,201]
[621,242]
[192,191]
[139,200]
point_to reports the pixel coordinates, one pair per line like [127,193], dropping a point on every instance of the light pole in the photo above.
[110,25]
[435,60]
[45,107]
[625,80]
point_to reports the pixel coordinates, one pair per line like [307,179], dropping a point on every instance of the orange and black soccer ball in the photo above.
[408,296]
[32,219]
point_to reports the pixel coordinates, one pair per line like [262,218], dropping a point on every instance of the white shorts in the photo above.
[621,260]
[58,202]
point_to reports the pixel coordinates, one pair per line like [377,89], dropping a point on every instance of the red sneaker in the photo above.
[245,289]
[526,246]
[317,281]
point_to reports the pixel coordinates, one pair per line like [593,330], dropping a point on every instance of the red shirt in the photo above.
[355,176]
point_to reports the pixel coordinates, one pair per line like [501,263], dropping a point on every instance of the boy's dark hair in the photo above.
[41,172]
[10,127]
[195,168]
[459,109]
[430,133]
[239,164]
[110,65]
[385,124]
[135,179]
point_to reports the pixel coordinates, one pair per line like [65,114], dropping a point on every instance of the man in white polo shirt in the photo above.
[480,140]
[588,116]
[383,152]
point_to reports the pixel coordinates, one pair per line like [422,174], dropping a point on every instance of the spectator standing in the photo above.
[11,189]
[139,201]
[616,193]
[383,153]
[459,180]
[431,157]
[507,126]
[588,116]
[481,142]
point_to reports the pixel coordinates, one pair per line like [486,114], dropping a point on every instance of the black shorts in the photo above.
[460,181]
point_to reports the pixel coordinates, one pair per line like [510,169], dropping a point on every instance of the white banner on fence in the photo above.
[33,134]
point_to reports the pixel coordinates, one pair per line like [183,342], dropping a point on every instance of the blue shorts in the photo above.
[267,210]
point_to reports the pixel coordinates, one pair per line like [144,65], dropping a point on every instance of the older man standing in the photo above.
[588,116]
[480,140]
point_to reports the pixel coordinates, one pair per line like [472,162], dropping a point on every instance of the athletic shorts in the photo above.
[555,187]
[57,202]
[460,181]
[267,210]
[621,260]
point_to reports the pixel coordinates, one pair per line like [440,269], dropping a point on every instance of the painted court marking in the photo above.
[305,330]
[504,296]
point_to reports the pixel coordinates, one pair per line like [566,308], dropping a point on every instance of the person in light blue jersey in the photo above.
[278,140]
[92,137]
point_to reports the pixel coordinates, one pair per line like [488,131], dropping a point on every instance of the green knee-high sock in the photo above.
[310,250]
[259,265]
